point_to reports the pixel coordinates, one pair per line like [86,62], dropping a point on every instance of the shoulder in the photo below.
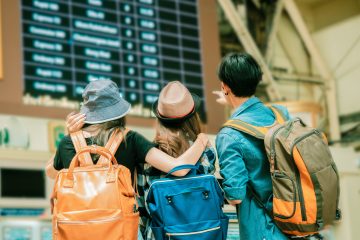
[229,139]
[65,143]
[228,133]
[135,136]
[130,134]
[138,140]
[283,110]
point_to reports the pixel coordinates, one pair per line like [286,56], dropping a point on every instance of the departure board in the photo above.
[139,44]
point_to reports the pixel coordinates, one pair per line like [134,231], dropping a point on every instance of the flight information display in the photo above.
[139,44]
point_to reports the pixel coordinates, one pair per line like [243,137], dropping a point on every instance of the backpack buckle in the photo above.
[205,194]
[320,223]
[272,155]
[338,214]
[169,199]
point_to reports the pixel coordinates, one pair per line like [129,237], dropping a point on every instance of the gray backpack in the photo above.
[303,173]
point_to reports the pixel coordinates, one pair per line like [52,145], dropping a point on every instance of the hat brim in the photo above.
[105,114]
[197,102]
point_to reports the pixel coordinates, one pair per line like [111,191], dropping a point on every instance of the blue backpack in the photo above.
[187,208]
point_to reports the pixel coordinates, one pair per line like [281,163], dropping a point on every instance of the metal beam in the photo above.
[298,78]
[303,31]
[250,46]
[274,29]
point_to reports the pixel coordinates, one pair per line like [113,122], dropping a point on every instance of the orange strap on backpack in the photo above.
[113,144]
[79,143]
[258,132]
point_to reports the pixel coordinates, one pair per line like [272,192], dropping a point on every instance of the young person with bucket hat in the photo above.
[103,111]
[177,127]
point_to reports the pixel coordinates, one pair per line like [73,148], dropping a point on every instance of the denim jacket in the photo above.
[243,161]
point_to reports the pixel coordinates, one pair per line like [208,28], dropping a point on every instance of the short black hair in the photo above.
[241,73]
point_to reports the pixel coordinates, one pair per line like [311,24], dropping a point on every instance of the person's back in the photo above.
[174,135]
[255,170]
[242,158]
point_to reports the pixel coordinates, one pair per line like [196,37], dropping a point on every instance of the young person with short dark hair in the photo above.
[242,157]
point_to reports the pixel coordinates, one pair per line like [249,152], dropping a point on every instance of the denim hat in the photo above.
[103,103]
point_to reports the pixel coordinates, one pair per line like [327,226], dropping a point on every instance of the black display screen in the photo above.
[20,183]
[139,44]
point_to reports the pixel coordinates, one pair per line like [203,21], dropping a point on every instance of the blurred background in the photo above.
[50,50]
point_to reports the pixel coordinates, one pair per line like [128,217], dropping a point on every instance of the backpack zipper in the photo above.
[192,233]
[282,175]
[180,179]
[272,145]
[300,191]
[79,222]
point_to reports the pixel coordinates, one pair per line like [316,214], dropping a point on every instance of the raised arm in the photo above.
[155,157]
[74,122]
[165,162]
[50,171]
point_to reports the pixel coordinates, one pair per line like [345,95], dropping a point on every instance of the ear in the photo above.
[225,88]
[222,85]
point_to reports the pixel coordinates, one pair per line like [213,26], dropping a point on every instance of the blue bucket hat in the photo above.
[102,102]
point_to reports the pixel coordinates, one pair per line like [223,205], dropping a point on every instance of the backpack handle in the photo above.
[69,180]
[94,149]
[181,167]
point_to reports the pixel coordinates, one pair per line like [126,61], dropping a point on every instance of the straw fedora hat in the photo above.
[175,103]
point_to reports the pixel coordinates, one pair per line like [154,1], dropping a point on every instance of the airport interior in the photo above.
[50,50]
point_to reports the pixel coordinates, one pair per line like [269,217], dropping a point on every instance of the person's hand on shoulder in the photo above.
[204,139]
[74,122]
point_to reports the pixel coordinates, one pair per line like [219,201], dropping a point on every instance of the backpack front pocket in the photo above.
[90,224]
[210,230]
[181,199]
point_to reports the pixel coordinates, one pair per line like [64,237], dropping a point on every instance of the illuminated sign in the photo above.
[139,44]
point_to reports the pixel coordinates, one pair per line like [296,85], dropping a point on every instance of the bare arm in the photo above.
[155,157]
[50,171]
[74,122]
[165,163]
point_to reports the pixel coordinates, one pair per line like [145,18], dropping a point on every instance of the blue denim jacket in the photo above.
[243,160]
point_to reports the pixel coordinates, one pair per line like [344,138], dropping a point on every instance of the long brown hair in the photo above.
[102,131]
[174,138]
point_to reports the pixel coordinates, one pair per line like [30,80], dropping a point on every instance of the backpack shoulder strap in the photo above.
[113,143]
[255,131]
[279,115]
[79,142]
[258,132]
[258,200]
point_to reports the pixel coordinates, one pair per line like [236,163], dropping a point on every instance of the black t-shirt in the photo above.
[131,152]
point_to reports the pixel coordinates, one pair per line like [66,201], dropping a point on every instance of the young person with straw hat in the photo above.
[177,127]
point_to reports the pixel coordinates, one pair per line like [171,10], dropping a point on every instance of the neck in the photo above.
[91,131]
[236,102]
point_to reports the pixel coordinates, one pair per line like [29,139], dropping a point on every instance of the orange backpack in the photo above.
[94,201]
[304,176]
